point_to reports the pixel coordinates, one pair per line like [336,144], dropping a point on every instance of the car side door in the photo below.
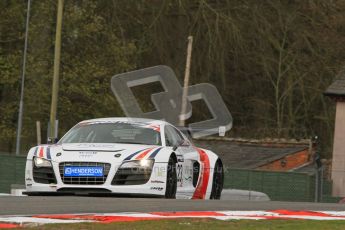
[187,156]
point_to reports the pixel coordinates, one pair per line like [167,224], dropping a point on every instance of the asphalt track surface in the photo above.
[78,204]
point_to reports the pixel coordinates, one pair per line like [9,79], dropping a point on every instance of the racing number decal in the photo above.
[179,174]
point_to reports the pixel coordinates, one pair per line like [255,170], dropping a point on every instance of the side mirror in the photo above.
[181,143]
[52,140]
[176,146]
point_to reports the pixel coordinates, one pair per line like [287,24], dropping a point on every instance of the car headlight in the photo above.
[41,162]
[138,164]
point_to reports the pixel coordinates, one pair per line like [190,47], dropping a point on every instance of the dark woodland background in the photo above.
[271,60]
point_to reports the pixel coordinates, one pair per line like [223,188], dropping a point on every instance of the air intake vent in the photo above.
[44,175]
[131,176]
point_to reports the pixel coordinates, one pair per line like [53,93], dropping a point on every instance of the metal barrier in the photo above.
[279,186]
[282,186]
[12,170]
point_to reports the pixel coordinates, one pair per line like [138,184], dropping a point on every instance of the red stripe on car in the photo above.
[155,127]
[201,188]
[143,154]
[41,152]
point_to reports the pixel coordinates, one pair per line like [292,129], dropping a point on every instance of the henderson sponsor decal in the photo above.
[83,171]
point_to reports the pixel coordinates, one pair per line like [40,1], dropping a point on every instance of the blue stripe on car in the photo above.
[48,154]
[35,153]
[132,155]
[155,153]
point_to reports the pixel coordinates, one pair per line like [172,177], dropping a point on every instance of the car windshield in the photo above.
[114,132]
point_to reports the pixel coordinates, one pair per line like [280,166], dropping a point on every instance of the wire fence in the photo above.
[278,186]
[283,186]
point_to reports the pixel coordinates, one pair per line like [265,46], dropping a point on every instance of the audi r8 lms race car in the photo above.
[124,157]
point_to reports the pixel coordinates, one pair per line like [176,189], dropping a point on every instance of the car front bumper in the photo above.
[154,187]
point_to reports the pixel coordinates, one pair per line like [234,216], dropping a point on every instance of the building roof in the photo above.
[249,155]
[337,88]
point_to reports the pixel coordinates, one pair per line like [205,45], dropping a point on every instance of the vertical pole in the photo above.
[250,184]
[56,134]
[186,81]
[48,130]
[321,184]
[21,103]
[316,186]
[55,87]
[38,131]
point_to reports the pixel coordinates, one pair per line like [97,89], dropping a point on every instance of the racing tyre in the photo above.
[171,185]
[218,181]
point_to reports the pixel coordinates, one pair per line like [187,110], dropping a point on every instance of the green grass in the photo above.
[199,224]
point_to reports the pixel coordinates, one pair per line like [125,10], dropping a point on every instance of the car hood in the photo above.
[94,152]
[100,147]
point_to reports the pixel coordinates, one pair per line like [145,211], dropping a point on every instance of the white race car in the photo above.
[124,157]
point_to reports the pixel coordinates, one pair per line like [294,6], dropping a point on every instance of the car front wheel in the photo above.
[171,183]
[218,181]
